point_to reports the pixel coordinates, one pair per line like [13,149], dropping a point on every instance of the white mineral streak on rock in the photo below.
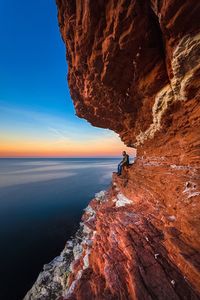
[185,62]
[173,282]
[195,194]
[171,218]
[90,210]
[69,244]
[121,200]
[162,100]
[77,251]
[85,245]
[176,167]
[67,293]
[52,280]
[191,190]
[86,259]
[101,196]
[86,229]
[69,290]
[116,187]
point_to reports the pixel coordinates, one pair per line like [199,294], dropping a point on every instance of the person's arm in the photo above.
[125,160]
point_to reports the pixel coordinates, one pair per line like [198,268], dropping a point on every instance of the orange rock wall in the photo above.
[134,68]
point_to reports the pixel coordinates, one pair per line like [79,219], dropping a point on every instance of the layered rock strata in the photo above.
[134,68]
[121,251]
[133,65]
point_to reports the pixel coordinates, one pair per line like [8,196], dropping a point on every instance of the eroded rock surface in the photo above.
[133,64]
[134,68]
[124,249]
[128,257]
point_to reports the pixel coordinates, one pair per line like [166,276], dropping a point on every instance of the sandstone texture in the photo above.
[125,254]
[134,67]
[124,249]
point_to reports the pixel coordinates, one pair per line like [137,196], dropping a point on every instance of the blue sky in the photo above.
[35,104]
[33,65]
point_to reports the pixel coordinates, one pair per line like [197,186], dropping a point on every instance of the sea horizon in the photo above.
[57,157]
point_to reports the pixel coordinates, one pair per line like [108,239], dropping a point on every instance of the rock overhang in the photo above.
[124,62]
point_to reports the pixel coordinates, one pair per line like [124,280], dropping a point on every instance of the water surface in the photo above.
[41,203]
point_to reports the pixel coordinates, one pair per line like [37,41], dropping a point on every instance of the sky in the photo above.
[37,118]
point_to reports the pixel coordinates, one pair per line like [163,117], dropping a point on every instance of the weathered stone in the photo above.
[134,68]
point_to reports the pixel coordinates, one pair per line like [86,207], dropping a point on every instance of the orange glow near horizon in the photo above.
[27,133]
[104,147]
[37,115]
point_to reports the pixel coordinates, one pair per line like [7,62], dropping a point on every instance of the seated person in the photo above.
[124,162]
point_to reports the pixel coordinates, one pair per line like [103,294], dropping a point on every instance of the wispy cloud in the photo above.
[62,128]
[61,137]
[29,130]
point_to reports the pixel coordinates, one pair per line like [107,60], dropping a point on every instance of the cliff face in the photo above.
[134,67]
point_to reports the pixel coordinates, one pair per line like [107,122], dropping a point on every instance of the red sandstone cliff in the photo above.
[134,67]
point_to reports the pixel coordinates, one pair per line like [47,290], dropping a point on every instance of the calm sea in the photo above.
[41,203]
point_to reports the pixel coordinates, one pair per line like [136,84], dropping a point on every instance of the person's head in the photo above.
[124,153]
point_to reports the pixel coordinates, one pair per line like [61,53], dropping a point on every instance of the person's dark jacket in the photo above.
[125,161]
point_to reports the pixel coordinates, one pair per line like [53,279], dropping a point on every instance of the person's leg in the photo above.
[119,169]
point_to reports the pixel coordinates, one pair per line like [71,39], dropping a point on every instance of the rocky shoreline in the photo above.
[52,282]
[120,241]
